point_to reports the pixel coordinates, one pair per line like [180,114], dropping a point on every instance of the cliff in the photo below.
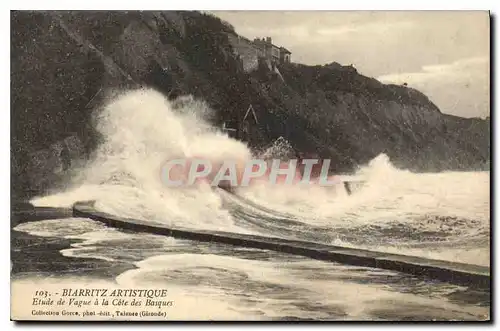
[65,63]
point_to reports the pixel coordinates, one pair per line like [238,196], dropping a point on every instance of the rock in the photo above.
[65,65]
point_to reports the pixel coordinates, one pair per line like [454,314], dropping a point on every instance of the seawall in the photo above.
[456,273]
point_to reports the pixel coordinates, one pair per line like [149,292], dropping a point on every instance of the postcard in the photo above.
[250,166]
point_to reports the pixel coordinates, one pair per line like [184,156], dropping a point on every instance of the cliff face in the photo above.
[65,63]
[358,117]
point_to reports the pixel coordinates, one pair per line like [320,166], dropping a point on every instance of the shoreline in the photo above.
[38,256]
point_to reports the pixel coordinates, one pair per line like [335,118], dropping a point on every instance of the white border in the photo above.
[185,5]
[257,5]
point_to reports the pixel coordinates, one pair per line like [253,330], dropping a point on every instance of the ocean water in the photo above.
[435,215]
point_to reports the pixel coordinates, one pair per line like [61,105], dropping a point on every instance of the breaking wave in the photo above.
[441,215]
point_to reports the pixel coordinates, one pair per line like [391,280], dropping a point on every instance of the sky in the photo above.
[446,54]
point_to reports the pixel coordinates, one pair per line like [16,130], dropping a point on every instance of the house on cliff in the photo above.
[250,52]
[249,125]
[272,52]
[285,55]
[245,128]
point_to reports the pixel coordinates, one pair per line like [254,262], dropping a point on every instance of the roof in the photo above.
[283,49]
[259,42]
[253,113]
